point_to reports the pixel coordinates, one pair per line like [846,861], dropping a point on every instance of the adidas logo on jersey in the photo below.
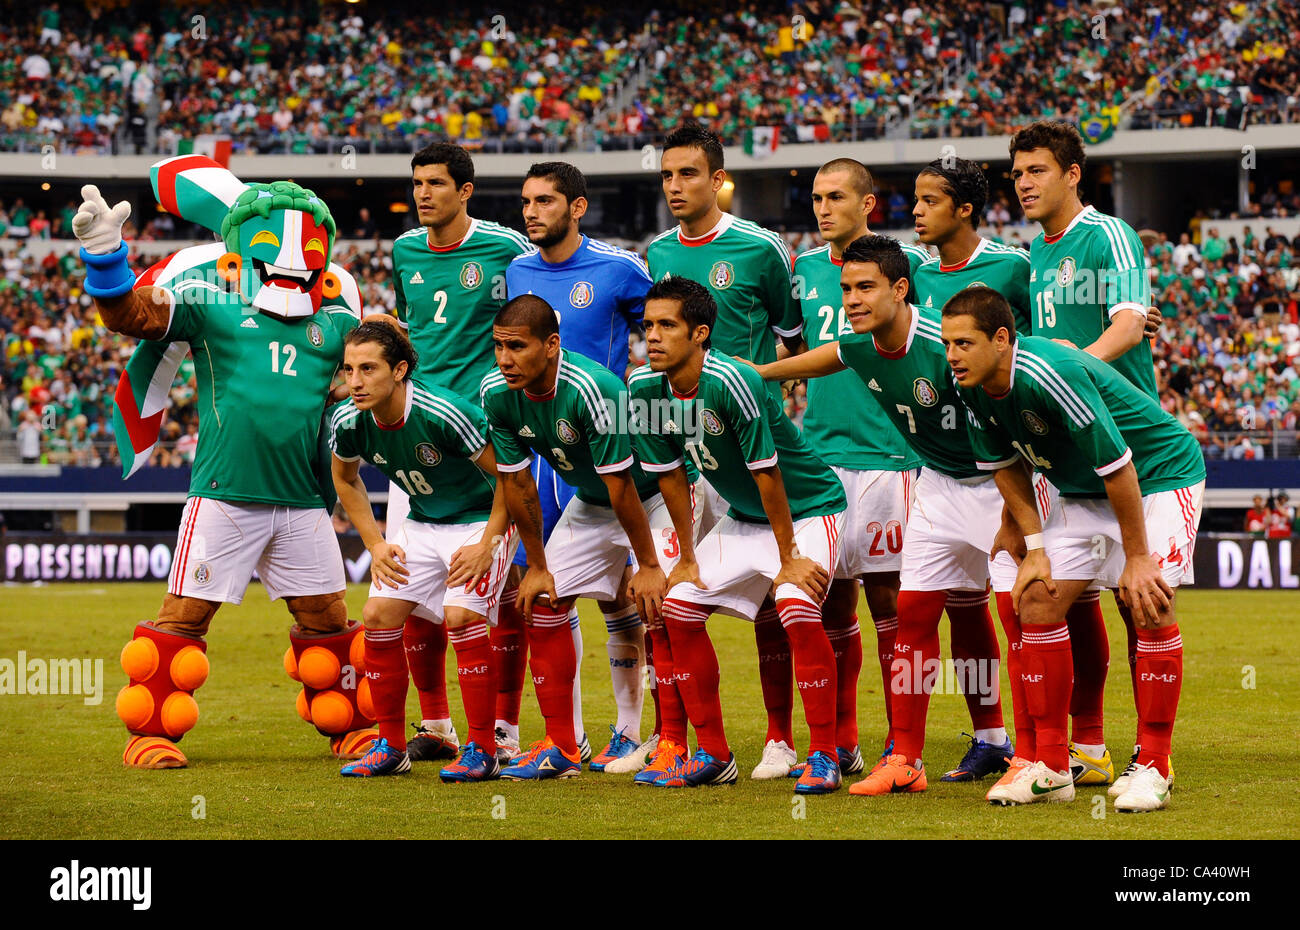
[811,294]
[249,323]
[527,433]
[417,278]
[380,460]
[1033,275]
[929,302]
[873,385]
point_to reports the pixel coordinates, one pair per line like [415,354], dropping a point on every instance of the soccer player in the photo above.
[452,553]
[1088,287]
[572,411]
[747,271]
[955,509]
[598,291]
[449,276]
[1131,480]
[782,529]
[850,432]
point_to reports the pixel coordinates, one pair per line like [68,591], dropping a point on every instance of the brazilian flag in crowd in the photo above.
[1100,126]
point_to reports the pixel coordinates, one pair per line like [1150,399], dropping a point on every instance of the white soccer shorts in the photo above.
[874,521]
[739,561]
[429,548]
[950,530]
[399,505]
[294,551]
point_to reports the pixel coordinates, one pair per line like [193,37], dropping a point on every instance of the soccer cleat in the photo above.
[507,747]
[668,756]
[777,759]
[1030,784]
[636,760]
[896,776]
[617,747]
[1147,790]
[474,764]
[381,759]
[543,760]
[884,757]
[703,769]
[584,750]
[428,744]
[981,759]
[1014,767]
[354,744]
[1089,770]
[152,752]
[821,775]
[1121,783]
[850,762]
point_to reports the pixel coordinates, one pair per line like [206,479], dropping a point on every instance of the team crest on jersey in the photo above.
[1065,271]
[924,392]
[315,335]
[427,454]
[582,294]
[1036,424]
[471,275]
[712,425]
[564,429]
[202,573]
[721,275]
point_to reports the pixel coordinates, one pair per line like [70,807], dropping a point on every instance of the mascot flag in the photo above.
[198,189]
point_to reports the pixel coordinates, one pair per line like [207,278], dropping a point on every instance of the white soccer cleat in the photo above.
[1146,790]
[777,759]
[635,760]
[1122,781]
[1031,784]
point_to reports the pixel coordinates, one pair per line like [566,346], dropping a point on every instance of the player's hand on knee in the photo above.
[470,564]
[685,572]
[537,583]
[388,565]
[1010,540]
[1143,588]
[96,225]
[805,574]
[1033,568]
[647,589]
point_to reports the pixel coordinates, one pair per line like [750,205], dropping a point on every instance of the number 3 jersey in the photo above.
[731,425]
[430,453]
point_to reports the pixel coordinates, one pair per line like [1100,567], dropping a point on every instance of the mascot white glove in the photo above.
[97,227]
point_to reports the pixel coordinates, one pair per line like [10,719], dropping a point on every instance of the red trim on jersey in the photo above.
[149,277]
[687,396]
[837,262]
[446,248]
[388,426]
[1049,240]
[899,353]
[959,266]
[702,240]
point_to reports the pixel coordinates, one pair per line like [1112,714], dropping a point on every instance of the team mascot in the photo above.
[264,313]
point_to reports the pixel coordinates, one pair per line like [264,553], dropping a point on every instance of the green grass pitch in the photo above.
[257,771]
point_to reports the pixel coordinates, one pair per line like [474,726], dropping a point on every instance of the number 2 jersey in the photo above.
[431,453]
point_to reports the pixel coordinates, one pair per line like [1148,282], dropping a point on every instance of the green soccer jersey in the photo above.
[1001,267]
[1076,419]
[843,426]
[263,383]
[915,389]
[731,426]
[447,299]
[580,427]
[1084,275]
[431,453]
[747,270]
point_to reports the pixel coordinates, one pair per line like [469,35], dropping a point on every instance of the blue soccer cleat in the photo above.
[543,760]
[981,759]
[702,769]
[380,759]
[618,747]
[474,764]
[821,775]
[667,759]
[850,762]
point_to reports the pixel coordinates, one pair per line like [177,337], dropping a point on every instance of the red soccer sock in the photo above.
[1026,747]
[1090,648]
[386,673]
[775,673]
[814,670]
[1048,676]
[671,719]
[846,643]
[509,658]
[886,633]
[975,649]
[916,664]
[1130,631]
[554,664]
[695,668]
[426,655]
[478,687]
[1159,683]
[654,682]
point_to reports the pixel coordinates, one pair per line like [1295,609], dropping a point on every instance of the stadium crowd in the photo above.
[304,78]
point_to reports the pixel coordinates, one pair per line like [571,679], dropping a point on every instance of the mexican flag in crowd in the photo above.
[761,141]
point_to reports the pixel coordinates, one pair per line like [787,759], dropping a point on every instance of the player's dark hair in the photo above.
[859,174]
[698,306]
[392,342]
[885,252]
[567,179]
[986,306]
[531,312]
[1060,138]
[963,181]
[459,165]
[695,136]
